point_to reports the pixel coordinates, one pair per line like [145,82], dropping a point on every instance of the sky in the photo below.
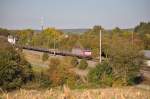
[22,14]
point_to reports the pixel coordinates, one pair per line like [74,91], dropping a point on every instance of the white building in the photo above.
[11,39]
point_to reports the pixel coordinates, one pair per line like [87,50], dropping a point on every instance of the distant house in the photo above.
[11,39]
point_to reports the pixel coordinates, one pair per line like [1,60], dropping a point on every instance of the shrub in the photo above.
[83,64]
[44,80]
[60,74]
[4,32]
[14,69]
[74,61]
[40,78]
[45,57]
[101,74]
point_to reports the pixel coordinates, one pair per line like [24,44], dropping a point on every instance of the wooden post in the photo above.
[100,51]
[132,38]
[54,44]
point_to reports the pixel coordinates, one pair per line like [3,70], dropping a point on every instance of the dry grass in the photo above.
[66,93]
[35,58]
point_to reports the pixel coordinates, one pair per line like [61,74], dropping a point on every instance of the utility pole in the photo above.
[42,23]
[132,38]
[54,44]
[100,42]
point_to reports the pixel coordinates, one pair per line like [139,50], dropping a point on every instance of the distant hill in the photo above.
[129,29]
[74,31]
[79,31]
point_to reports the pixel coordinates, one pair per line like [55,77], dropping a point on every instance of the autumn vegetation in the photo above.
[14,69]
[121,50]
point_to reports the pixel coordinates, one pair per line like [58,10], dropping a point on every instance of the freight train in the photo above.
[80,53]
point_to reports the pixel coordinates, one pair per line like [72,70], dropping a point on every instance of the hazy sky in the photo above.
[19,14]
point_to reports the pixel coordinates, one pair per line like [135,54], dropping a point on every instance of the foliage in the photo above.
[40,78]
[43,80]
[90,40]
[125,58]
[74,61]
[143,29]
[60,73]
[117,30]
[101,75]
[83,64]
[25,36]
[47,38]
[4,32]
[45,57]
[14,69]
[71,41]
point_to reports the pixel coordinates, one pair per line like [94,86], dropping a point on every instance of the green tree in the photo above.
[48,38]
[90,40]
[25,36]
[125,58]
[4,32]
[14,70]
[101,75]
[51,36]
[117,30]
[71,41]
[143,29]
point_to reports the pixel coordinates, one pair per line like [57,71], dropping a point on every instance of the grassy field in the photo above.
[131,92]
[66,93]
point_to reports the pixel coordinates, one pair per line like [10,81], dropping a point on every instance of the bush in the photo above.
[83,64]
[74,61]
[60,74]
[101,75]
[44,80]
[45,57]
[14,69]
[40,78]
[126,58]
[4,32]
